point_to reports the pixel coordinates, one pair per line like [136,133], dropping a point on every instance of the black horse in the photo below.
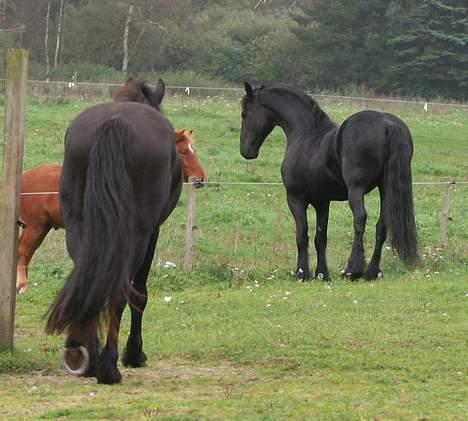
[121,179]
[324,162]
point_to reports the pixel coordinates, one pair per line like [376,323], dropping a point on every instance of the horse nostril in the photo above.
[76,360]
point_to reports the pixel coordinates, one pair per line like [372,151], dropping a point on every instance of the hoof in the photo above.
[108,374]
[302,275]
[22,288]
[322,276]
[134,361]
[76,360]
[350,276]
[372,275]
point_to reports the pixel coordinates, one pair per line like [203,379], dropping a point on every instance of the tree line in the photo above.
[405,47]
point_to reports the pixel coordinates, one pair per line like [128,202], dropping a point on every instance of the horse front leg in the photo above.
[133,355]
[30,239]
[298,207]
[320,240]
[356,261]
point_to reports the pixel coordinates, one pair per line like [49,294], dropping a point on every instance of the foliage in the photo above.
[431,53]
[392,47]
[342,44]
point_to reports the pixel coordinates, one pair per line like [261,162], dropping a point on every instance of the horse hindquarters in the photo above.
[398,197]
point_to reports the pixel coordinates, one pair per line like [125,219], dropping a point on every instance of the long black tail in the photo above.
[398,200]
[101,273]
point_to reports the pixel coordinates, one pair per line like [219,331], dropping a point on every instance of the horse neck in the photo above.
[299,116]
[122,97]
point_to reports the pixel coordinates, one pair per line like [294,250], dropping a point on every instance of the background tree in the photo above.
[342,42]
[404,46]
[430,55]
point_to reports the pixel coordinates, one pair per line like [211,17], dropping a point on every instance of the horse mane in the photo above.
[135,90]
[320,117]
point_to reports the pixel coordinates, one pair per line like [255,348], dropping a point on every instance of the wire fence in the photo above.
[261,231]
[64,90]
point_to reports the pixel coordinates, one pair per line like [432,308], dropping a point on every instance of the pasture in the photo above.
[239,337]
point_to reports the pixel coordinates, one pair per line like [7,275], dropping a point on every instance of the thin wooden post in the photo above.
[15,106]
[445,215]
[188,258]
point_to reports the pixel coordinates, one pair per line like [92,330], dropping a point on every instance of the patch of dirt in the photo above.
[179,370]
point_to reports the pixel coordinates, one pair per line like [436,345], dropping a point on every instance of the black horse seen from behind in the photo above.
[324,162]
[121,179]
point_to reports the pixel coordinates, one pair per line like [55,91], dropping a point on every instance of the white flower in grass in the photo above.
[169,265]
[167,299]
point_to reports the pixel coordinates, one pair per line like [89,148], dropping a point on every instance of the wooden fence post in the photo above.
[15,105]
[445,215]
[190,227]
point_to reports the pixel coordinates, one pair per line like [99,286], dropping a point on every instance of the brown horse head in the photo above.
[190,164]
[139,91]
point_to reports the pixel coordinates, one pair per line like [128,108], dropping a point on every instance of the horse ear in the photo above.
[129,80]
[178,134]
[191,131]
[248,90]
[159,91]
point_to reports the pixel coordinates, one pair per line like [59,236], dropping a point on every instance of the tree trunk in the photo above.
[125,38]
[46,40]
[59,35]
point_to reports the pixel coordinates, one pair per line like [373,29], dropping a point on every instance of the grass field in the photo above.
[239,338]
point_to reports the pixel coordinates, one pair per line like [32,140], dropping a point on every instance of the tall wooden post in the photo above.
[445,214]
[188,258]
[15,105]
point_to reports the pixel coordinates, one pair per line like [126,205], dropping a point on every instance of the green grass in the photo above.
[240,338]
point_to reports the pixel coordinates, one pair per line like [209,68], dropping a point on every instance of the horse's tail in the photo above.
[101,275]
[398,196]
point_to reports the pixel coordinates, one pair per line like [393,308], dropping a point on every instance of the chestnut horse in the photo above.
[40,212]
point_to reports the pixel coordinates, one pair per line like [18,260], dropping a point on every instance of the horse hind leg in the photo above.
[107,371]
[373,270]
[356,261]
[134,355]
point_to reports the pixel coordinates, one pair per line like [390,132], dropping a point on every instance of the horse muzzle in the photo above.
[248,151]
[76,360]
[199,183]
